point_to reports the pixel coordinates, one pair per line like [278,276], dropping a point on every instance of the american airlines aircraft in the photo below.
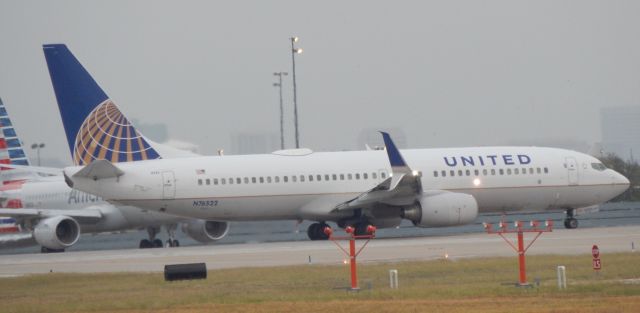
[42,209]
[430,187]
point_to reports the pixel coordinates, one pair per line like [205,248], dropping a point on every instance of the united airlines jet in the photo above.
[430,187]
[38,207]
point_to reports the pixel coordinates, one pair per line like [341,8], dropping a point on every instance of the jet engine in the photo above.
[205,231]
[443,209]
[57,233]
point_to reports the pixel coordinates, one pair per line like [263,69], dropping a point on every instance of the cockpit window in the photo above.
[598,166]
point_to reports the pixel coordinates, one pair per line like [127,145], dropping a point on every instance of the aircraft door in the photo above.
[572,170]
[168,185]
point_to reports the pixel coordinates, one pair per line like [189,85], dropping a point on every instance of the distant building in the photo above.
[621,131]
[371,137]
[254,143]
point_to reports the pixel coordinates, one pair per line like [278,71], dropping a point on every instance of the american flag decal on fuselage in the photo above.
[107,134]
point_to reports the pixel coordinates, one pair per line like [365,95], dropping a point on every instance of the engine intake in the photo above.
[58,232]
[444,209]
[205,231]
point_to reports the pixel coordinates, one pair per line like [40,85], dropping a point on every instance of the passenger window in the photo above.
[326,177]
[546,170]
[468,172]
[383,175]
[484,172]
[357,175]
[374,175]
[285,179]
[230,181]
[246,180]
[261,180]
[459,172]
[269,179]
[435,173]
[493,171]
[294,178]
[302,178]
[365,176]
[208,181]
[310,177]
[531,170]
[452,173]
[444,173]
[334,177]
[223,181]
[341,176]
[516,171]
[349,176]
[215,181]
[238,180]
[538,170]
[501,172]
[476,172]
[319,177]
[508,171]
[200,182]
[277,179]
[524,170]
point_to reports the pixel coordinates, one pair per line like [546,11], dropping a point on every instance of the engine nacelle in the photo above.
[444,209]
[205,231]
[58,232]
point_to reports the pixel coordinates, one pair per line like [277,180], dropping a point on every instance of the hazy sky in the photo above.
[449,73]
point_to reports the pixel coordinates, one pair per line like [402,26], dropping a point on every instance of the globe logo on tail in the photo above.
[106,134]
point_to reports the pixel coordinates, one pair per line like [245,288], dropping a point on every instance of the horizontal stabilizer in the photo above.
[99,169]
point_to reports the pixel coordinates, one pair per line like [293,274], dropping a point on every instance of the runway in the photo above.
[561,241]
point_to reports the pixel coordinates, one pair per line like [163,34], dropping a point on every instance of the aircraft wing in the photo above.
[87,215]
[402,188]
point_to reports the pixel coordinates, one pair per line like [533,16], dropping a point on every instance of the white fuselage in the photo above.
[298,185]
[52,193]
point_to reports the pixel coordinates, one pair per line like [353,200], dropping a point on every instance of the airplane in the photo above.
[42,210]
[430,187]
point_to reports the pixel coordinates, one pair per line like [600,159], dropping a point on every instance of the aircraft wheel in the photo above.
[47,250]
[176,243]
[573,223]
[316,231]
[145,243]
[157,243]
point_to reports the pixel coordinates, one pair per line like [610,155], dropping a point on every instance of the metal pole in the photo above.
[279,84]
[523,272]
[352,255]
[295,99]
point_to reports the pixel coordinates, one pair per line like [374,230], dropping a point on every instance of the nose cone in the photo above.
[620,182]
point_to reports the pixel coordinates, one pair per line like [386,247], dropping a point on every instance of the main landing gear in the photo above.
[570,222]
[152,242]
[316,231]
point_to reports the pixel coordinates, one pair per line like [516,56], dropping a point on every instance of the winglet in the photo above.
[392,151]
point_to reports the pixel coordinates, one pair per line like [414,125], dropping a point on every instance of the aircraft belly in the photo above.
[535,198]
[232,208]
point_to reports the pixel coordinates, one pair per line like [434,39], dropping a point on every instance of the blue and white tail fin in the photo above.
[95,127]
[11,150]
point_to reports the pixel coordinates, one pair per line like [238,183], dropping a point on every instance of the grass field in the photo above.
[468,285]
